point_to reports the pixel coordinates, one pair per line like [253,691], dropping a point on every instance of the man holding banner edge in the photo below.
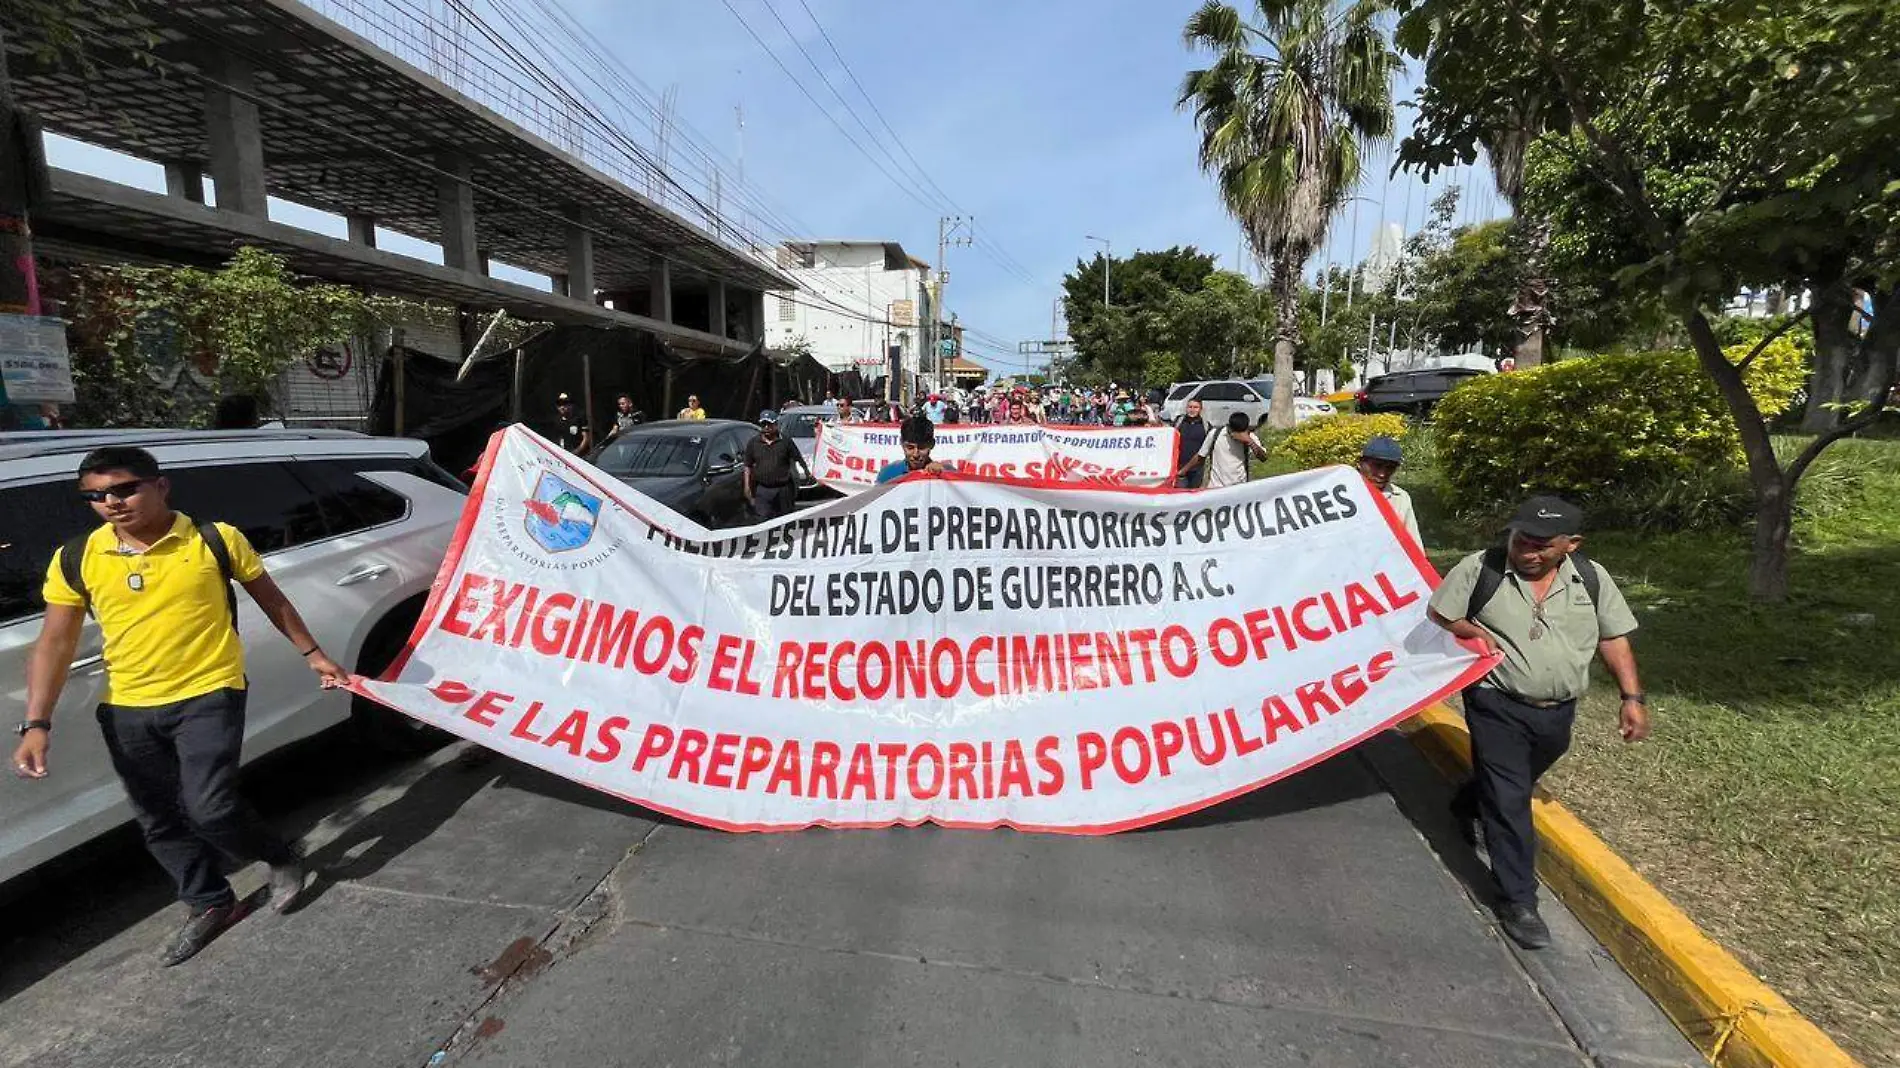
[1549,610]
[918,436]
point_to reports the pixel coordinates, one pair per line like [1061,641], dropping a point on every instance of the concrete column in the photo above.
[481,261]
[362,230]
[660,291]
[580,258]
[236,138]
[183,178]
[715,307]
[560,284]
[455,204]
[755,312]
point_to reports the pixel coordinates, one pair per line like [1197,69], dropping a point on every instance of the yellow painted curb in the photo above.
[1737,1020]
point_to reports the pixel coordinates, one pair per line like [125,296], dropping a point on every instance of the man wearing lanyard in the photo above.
[173,717]
[1550,610]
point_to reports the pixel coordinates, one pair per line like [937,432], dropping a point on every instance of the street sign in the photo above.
[34,366]
[947,346]
[903,313]
[1045,348]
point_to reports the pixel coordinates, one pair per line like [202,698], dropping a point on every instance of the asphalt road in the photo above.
[475,911]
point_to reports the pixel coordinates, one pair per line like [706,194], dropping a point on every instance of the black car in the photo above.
[689,465]
[1412,393]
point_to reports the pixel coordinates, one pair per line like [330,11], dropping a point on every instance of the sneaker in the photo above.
[199,929]
[1524,925]
[286,885]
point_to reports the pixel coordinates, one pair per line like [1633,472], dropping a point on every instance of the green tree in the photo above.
[1114,341]
[1465,289]
[1223,329]
[1719,144]
[241,326]
[1284,111]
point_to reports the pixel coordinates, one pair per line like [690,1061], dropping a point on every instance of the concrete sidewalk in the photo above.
[481,908]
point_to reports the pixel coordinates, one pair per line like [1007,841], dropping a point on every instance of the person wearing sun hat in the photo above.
[1549,611]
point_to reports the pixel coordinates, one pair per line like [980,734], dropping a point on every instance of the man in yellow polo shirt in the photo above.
[173,715]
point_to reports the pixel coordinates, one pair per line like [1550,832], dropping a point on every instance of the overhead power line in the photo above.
[826,112]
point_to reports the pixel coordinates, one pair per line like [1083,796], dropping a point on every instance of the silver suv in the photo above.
[1219,399]
[352,527]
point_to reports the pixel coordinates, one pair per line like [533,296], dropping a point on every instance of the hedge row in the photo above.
[1586,428]
[1339,439]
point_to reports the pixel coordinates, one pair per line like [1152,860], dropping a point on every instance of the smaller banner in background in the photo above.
[848,456]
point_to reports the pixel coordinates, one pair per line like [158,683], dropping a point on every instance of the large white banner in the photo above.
[966,651]
[848,456]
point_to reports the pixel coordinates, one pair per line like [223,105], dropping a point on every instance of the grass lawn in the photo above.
[1767,803]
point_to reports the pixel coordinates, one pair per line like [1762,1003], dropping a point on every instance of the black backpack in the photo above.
[1491,576]
[73,553]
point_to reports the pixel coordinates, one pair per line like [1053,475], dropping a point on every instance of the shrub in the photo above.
[1339,439]
[1603,428]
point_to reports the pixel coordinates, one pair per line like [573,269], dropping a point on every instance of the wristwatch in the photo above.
[1639,698]
[33,725]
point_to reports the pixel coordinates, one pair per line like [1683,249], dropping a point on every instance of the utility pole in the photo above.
[1352,249]
[1325,292]
[947,237]
[1108,257]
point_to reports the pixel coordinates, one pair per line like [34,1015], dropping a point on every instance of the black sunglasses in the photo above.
[124,491]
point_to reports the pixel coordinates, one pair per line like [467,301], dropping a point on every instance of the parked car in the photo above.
[689,465]
[352,527]
[1412,393]
[1305,408]
[1219,400]
[800,423]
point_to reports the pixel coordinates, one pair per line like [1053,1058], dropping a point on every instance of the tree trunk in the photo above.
[1774,525]
[1286,336]
[1530,309]
[1768,571]
[1834,350]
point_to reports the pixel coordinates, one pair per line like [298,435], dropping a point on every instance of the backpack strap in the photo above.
[1490,577]
[1592,578]
[72,557]
[214,541]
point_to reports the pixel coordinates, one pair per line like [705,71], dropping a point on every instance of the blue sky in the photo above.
[1046,121]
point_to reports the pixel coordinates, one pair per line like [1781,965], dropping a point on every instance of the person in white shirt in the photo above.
[1378,462]
[1227,453]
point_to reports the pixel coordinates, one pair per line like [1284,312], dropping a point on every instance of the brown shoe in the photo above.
[199,929]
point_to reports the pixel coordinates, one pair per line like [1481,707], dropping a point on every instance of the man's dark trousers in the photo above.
[1512,745]
[179,763]
[770,502]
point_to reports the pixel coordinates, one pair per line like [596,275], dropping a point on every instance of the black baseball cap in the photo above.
[1548,517]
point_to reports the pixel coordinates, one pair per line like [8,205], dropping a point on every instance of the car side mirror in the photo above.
[725,465]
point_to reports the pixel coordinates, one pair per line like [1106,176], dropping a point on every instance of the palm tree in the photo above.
[1284,112]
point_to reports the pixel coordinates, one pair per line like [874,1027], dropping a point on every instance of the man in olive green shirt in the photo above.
[1535,604]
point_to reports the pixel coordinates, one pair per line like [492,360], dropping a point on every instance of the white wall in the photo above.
[841,314]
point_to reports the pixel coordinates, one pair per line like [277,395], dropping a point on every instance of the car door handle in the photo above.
[363,574]
[85,662]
